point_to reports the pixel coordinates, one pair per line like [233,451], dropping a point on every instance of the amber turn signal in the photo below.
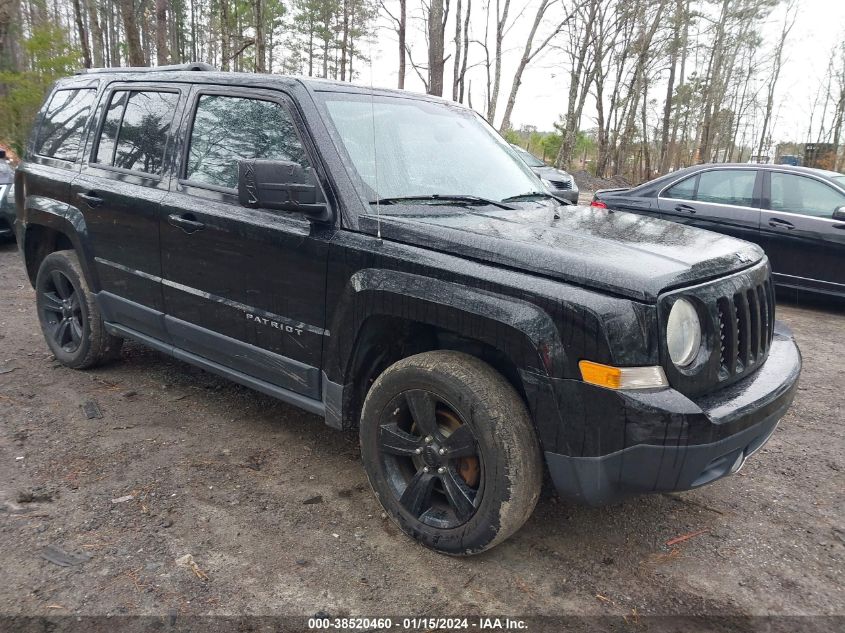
[622,377]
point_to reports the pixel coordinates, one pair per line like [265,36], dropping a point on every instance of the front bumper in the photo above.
[665,441]
[567,194]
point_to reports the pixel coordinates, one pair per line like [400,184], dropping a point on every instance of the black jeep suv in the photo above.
[386,261]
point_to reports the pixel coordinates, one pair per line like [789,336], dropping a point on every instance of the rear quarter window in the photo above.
[60,133]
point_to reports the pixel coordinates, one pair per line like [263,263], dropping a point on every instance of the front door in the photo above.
[805,244]
[244,288]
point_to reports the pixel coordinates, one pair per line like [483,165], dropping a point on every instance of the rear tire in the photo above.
[450,451]
[69,317]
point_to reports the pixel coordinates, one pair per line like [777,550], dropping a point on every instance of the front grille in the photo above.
[565,185]
[745,329]
[737,314]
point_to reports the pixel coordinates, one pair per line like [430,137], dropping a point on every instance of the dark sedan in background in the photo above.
[796,214]
[557,181]
[7,201]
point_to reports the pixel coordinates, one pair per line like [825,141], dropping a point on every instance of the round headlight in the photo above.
[683,333]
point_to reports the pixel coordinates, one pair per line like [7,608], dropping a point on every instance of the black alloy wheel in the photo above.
[61,312]
[431,460]
[69,315]
[450,451]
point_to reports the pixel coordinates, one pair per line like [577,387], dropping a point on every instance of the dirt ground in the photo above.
[275,510]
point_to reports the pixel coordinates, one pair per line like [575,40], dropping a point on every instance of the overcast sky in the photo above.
[819,26]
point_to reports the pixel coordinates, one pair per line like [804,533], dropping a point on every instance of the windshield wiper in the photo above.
[536,194]
[444,199]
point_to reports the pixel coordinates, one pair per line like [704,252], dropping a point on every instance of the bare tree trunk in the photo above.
[576,75]
[456,71]
[465,55]
[646,152]
[224,35]
[678,21]
[713,80]
[83,34]
[681,79]
[260,36]
[501,22]
[344,41]
[114,37]
[527,56]
[9,26]
[133,36]
[403,21]
[788,23]
[436,48]
[97,56]
[162,55]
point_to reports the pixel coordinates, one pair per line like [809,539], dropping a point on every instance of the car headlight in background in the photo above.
[683,333]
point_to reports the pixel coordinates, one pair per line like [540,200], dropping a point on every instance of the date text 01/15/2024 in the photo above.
[449,624]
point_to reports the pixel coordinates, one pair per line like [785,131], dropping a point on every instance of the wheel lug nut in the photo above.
[442,451]
[441,470]
[418,451]
[428,439]
[425,469]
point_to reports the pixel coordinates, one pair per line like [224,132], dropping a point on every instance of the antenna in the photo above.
[375,151]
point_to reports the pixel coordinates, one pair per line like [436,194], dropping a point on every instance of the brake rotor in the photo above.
[468,468]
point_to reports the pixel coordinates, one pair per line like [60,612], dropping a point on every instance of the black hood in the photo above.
[622,253]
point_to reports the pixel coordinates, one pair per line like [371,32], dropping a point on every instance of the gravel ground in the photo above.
[277,516]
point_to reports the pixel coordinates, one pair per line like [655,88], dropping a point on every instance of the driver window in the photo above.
[228,129]
[807,196]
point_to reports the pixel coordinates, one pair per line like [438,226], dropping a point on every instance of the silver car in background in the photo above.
[557,181]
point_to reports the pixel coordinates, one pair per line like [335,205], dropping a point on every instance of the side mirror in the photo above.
[839,214]
[281,185]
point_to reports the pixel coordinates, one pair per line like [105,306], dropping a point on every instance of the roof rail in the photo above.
[148,69]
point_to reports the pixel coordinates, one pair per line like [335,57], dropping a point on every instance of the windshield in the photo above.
[529,158]
[425,149]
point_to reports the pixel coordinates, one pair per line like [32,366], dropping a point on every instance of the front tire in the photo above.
[69,317]
[450,451]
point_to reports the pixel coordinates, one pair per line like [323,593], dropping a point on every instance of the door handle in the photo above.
[187,222]
[841,225]
[777,223]
[685,207]
[91,199]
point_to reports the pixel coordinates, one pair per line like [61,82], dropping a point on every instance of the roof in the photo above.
[198,72]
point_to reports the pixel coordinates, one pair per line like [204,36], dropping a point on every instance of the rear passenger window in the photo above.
[228,129]
[684,190]
[726,186]
[60,133]
[135,130]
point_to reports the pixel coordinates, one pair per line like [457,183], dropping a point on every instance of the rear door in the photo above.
[119,192]
[803,241]
[725,200]
[55,148]
[244,288]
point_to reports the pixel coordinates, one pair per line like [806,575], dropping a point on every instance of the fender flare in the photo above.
[522,331]
[67,220]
